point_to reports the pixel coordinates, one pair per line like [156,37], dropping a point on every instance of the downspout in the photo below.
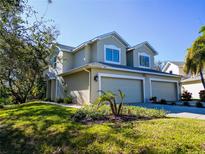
[86,70]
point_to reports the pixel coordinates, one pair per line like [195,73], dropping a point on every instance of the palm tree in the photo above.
[195,58]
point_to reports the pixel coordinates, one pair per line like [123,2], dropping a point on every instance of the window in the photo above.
[144,60]
[112,54]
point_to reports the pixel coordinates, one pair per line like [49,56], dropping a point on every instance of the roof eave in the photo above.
[98,65]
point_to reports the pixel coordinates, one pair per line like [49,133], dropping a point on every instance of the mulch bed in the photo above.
[115,119]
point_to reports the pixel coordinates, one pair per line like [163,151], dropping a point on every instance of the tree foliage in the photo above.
[195,58]
[25,46]
[159,65]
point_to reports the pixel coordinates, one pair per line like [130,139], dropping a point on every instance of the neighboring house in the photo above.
[174,67]
[189,82]
[193,85]
[109,63]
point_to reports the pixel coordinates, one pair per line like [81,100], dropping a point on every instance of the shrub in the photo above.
[143,112]
[186,96]
[199,104]
[163,101]
[68,100]
[91,112]
[153,99]
[6,101]
[79,115]
[1,106]
[60,100]
[202,95]
[186,103]
[46,99]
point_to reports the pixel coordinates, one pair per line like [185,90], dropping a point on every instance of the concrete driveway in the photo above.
[177,111]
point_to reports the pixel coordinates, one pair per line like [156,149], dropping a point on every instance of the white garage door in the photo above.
[164,90]
[131,87]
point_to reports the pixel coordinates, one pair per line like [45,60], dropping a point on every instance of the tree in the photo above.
[195,58]
[159,65]
[24,48]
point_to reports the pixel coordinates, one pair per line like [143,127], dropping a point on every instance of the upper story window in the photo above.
[112,54]
[144,60]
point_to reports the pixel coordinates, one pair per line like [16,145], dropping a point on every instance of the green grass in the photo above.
[42,128]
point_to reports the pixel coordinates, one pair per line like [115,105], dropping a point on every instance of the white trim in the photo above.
[164,80]
[164,69]
[144,54]
[146,44]
[112,47]
[100,75]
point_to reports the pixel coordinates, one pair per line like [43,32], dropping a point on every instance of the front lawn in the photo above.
[43,128]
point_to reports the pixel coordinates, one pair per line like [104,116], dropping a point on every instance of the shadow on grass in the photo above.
[42,128]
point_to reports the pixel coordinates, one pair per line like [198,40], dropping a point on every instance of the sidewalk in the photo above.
[64,105]
[187,115]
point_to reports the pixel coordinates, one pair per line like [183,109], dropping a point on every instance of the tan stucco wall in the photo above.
[79,58]
[78,86]
[95,85]
[67,61]
[110,41]
[94,52]
[194,87]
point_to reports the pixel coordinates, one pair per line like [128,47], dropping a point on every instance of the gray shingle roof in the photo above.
[135,68]
[144,43]
[196,78]
[178,63]
[100,37]
[65,47]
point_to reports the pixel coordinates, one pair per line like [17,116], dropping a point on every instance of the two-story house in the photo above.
[109,63]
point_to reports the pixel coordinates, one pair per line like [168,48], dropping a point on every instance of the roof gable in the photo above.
[113,34]
[65,47]
[169,63]
[147,44]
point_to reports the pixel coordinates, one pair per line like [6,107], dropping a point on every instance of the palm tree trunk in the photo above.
[202,78]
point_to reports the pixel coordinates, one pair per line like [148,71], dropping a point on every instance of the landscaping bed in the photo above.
[43,128]
[95,114]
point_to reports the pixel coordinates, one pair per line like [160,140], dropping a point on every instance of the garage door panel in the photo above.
[164,90]
[131,87]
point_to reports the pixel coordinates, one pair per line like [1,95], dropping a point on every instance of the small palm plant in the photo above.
[110,97]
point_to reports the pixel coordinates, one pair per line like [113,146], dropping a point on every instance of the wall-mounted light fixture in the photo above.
[96,78]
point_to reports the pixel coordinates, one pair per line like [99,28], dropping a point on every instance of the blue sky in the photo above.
[169,26]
